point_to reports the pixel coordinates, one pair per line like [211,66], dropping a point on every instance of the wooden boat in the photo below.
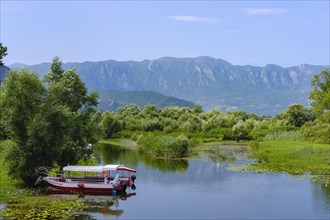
[92,179]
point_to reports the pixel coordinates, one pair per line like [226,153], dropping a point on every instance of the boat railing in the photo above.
[38,180]
[42,171]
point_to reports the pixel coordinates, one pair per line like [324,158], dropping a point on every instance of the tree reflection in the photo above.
[167,165]
[110,154]
[225,153]
[105,203]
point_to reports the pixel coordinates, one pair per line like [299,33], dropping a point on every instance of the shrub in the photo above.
[317,132]
[164,146]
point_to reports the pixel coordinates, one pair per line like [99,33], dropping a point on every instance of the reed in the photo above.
[296,157]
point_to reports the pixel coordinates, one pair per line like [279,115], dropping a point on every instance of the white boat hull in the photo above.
[83,186]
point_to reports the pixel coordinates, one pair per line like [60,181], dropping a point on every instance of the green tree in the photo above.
[49,126]
[320,95]
[317,131]
[55,72]
[197,109]
[21,96]
[240,131]
[296,115]
[69,110]
[69,91]
[3,53]
[109,124]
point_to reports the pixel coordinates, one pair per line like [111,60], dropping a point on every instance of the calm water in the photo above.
[203,188]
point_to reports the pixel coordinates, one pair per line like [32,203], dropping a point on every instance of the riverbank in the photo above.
[293,157]
[22,203]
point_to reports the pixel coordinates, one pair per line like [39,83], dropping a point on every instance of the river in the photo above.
[205,187]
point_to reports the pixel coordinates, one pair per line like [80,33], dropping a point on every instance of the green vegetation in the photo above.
[50,122]
[285,136]
[41,207]
[164,146]
[23,203]
[320,95]
[147,125]
[6,183]
[296,157]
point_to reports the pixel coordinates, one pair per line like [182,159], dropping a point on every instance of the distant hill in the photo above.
[111,100]
[214,83]
[3,72]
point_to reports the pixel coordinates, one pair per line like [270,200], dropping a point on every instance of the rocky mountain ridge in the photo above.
[215,83]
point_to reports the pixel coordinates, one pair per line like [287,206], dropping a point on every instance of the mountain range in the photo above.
[112,99]
[214,83]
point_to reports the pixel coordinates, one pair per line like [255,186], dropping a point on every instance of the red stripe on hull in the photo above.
[84,189]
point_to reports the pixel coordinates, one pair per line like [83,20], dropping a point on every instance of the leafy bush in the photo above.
[164,146]
[317,132]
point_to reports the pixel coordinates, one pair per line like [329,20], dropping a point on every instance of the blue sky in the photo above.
[285,33]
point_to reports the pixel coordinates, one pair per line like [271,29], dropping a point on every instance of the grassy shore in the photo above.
[22,203]
[295,157]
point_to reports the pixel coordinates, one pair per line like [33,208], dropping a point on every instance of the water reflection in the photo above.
[112,154]
[321,196]
[107,205]
[203,188]
[225,153]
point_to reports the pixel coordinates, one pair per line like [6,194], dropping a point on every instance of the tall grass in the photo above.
[285,135]
[293,157]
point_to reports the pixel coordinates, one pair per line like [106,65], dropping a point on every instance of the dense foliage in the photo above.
[295,123]
[320,95]
[49,121]
[23,203]
[204,126]
[164,146]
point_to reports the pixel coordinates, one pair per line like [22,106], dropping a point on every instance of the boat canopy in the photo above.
[97,168]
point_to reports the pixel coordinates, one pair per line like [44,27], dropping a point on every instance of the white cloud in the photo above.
[265,11]
[190,19]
